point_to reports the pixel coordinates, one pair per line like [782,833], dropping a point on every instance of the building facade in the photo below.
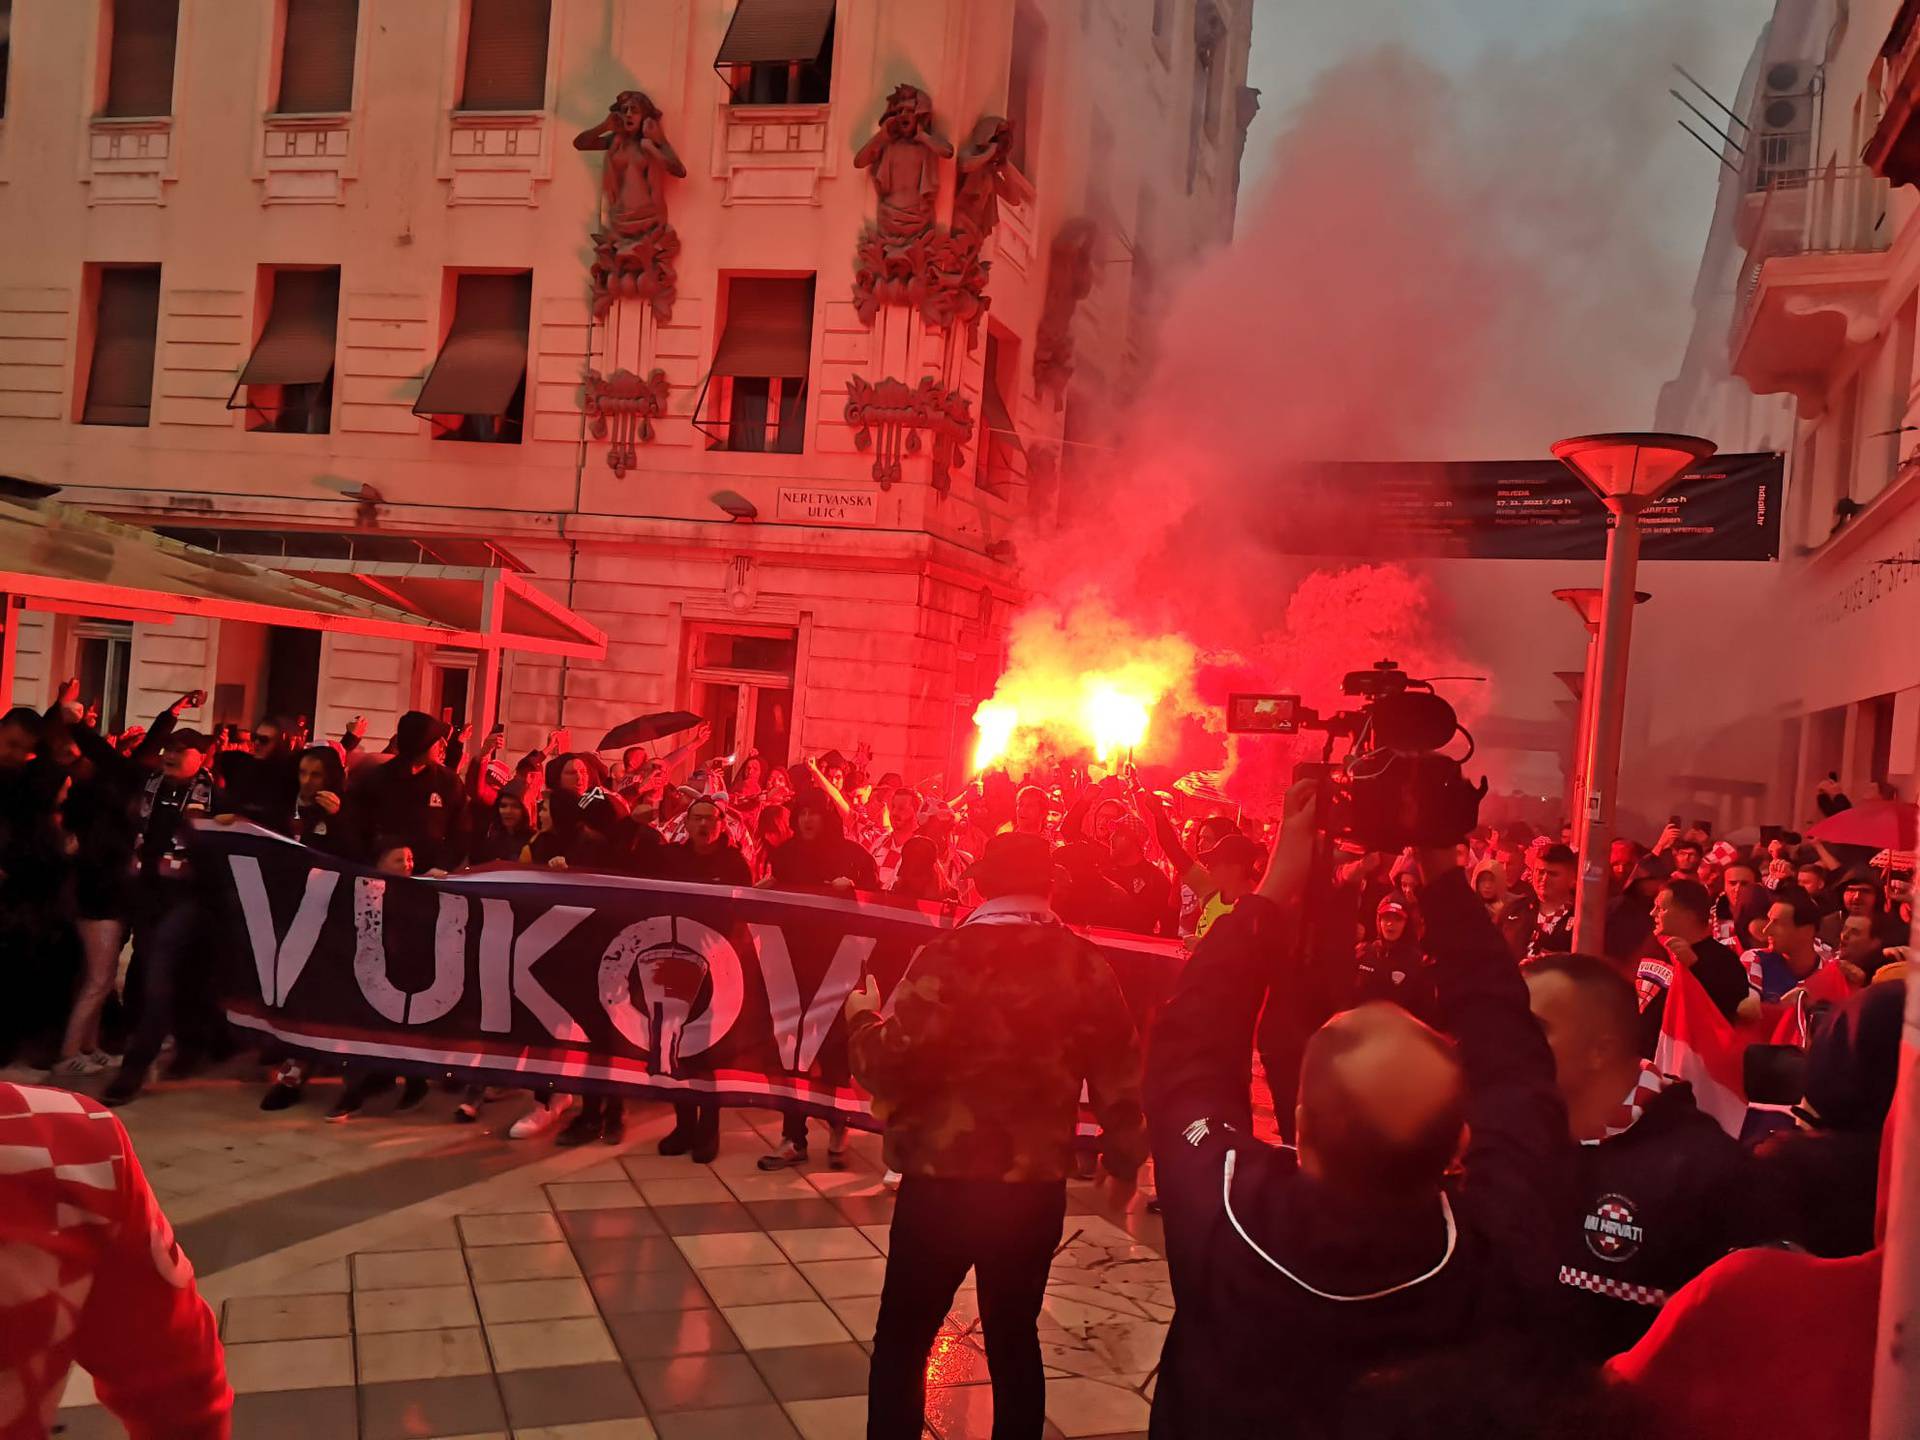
[1807,344]
[738,329]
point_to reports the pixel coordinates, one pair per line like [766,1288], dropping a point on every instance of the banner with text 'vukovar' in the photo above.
[588,982]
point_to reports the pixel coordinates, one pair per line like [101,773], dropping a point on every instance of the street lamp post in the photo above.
[1628,472]
[1585,603]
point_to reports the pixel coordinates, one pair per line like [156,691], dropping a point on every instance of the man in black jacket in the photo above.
[413,796]
[1296,1272]
[706,857]
[1663,1191]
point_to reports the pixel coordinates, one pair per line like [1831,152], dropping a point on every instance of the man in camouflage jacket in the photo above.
[977,1074]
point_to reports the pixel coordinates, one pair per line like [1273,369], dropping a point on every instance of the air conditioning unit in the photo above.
[1786,102]
[1781,147]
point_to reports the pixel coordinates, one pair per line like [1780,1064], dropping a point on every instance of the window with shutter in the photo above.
[316,57]
[126,321]
[288,380]
[477,388]
[1025,68]
[506,64]
[140,57]
[998,468]
[779,52]
[761,364]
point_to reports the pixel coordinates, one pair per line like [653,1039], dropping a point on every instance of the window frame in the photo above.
[92,286]
[277,58]
[463,38]
[713,408]
[104,29]
[439,430]
[739,77]
[266,291]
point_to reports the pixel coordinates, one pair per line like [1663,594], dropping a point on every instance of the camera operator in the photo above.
[1296,1272]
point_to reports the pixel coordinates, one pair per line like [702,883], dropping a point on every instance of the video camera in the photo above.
[1393,788]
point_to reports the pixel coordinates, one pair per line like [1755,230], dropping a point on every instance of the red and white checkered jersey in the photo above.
[90,1272]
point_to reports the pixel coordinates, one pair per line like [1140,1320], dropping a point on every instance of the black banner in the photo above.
[591,982]
[1725,509]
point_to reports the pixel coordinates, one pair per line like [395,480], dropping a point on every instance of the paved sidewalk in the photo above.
[400,1276]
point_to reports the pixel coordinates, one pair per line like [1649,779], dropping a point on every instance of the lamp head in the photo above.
[1629,470]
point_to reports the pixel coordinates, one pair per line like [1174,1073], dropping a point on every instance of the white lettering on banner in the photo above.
[800,1042]
[506,968]
[671,957]
[370,957]
[278,962]
[835,506]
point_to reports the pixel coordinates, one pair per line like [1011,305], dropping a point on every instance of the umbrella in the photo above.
[649,727]
[1876,824]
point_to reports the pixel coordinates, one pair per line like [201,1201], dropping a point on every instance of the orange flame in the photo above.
[1079,681]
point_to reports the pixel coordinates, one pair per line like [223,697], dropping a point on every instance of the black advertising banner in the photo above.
[1725,509]
[590,982]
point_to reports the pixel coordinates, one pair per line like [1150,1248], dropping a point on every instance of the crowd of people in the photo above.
[1476,1146]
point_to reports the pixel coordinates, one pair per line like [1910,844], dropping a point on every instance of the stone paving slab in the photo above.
[596,1294]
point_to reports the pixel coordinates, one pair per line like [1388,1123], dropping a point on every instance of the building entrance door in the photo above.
[741,682]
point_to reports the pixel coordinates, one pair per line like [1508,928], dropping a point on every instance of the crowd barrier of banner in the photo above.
[590,982]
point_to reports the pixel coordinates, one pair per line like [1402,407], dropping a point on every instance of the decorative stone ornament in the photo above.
[621,409]
[904,156]
[634,254]
[1069,281]
[888,418]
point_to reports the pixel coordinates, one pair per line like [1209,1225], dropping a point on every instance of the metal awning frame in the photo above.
[497,586]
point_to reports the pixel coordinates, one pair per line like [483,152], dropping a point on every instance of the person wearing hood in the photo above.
[818,855]
[1825,1165]
[1393,965]
[509,828]
[1661,1190]
[707,856]
[1511,912]
[413,796]
[1629,936]
[320,818]
[1084,895]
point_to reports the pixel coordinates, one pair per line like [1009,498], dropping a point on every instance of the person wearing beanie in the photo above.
[413,796]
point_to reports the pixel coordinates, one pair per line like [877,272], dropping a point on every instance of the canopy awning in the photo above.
[60,558]
[468,595]
[472,586]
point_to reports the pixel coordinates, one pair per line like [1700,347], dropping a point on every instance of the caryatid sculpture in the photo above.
[986,177]
[634,254]
[904,157]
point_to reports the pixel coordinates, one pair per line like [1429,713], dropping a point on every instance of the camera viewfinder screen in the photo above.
[1263,714]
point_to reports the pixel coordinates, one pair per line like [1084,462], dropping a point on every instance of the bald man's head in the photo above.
[1382,1103]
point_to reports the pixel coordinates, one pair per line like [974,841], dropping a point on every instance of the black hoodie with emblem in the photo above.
[412,797]
[1656,1204]
[1287,1291]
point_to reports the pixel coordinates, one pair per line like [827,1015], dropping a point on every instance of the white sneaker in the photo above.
[542,1118]
[891,1179]
[76,1067]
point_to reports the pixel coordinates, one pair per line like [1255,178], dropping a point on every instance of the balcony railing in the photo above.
[1835,210]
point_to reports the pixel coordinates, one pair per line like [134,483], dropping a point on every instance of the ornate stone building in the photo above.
[762,379]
